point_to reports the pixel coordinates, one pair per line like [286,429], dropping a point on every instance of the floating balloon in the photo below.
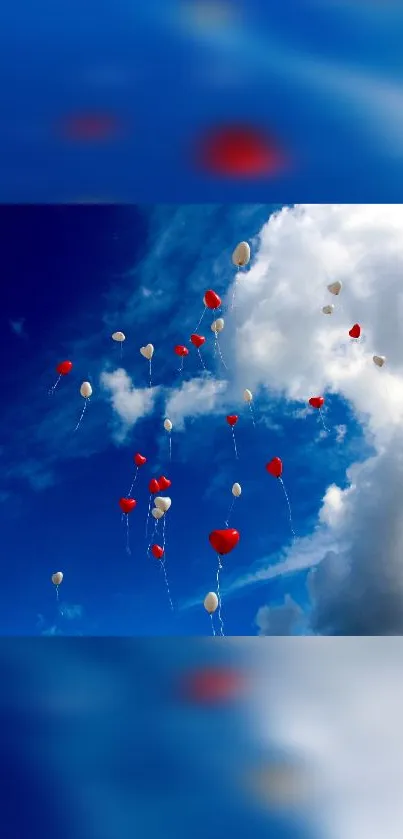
[211,602]
[154,486]
[85,392]
[224,541]
[127,505]
[157,551]
[212,300]
[167,425]
[335,288]
[182,352]
[139,459]
[211,605]
[241,255]
[162,503]
[119,337]
[157,513]
[239,151]
[217,325]
[379,360]
[62,369]
[328,310]
[164,483]
[316,402]
[275,467]
[232,419]
[148,352]
[197,340]
[355,331]
[247,395]
[57,579]
[236,490]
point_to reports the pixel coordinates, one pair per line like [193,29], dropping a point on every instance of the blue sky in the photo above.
[325,79]
[75,275]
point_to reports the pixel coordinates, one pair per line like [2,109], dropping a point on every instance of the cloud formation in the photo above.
[129,403]
[194,398]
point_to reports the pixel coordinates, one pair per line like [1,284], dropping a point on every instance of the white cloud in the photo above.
[194,398]
[279,620]
[130,403]
[335,707]
[285,344]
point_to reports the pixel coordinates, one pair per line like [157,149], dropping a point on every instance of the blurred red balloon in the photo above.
[239,151]
[212,685]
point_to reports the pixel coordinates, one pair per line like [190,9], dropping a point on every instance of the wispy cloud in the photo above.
[129,403]
[195,398]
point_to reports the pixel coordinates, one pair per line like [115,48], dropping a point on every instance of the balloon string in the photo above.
[219,568]
[252,413]
[202,316]
[53,388]
[212,623]
[167,584]
[233,437]
[218,349]
[235,290]
[82,414]
[133,482]
[323,421]
[57,592]
[180,369]
[170,447]
[289,508]
[152,538]
[128,551]
[229,512]
[148,515]
[201,359]
[150,369]
[163,534]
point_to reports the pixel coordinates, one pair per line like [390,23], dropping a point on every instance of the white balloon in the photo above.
[86,390]
[379,360]
[167,425]
[241,254]
[157,513]
[247,395]
[147,351]
[57,578]
[119,336]
[211,602]
[217,325]
[236,490]
[162,503]
[335,288]
[328,310]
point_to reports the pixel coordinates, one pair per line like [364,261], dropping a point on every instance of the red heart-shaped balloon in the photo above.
[157,551]
[127,504]
[139,459]
[212,300]
[355,331]
[275,467]
[163,482]
[154,486]
[181,350]
[215,684]
[223,541]
[232,419]
[197,340]
[316,401]
[64,368]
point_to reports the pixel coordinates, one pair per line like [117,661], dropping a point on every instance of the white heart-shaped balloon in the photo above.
[327,310]
[157,513]
[147,351]
[379,360]
[241,254]
[334,288]
[163,503]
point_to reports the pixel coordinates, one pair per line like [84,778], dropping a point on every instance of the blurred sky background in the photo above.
[109,104]
[74,276]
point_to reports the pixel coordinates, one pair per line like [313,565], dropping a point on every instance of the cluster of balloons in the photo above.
[355,331]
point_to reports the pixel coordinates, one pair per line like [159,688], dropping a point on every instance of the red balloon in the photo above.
[154,486]
[212,300]
[139,459]
[157,551]
[164,483]
[197,340]
[181,350]
[316,401]
[127,504]
[212,684]
[355,331]
[232,419]
[239,151]
[64,368]
[223,541]
[275,467]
